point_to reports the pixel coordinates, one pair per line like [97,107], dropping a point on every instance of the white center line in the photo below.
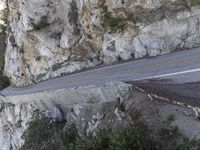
[170,74]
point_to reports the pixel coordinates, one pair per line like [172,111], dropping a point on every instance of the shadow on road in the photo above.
[184,93]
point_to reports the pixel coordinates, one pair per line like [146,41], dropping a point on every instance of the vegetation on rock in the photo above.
[38,134]
[41,135]
[188,144]
[4,81]
[73,17]
[44,134]
[109,22]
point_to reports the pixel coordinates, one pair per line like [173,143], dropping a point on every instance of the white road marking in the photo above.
[133,71]
[170,74]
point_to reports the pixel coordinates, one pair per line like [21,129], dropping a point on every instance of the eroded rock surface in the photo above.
[17,111]
[47,38]
[94,107]
[13,122]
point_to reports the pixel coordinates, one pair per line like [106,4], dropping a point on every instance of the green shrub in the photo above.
[38,134]
[101,141]
[187,144]
[42,135]
[170,118]
[74,17]
[69,136]
[124,139]
[4,82]
[110,22]
[132,139]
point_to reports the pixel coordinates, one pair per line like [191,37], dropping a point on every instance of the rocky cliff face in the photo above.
[94,107]
[47,38]
[13,122]
[67,104]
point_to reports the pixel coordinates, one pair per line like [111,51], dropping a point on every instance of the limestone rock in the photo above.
[13,122]
[91,108]
[57,114]
[61,105]
[48,38]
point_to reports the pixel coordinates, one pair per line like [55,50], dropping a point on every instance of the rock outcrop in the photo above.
[3,20]
[17,111]
[13,122]
[48,38]
[94,107]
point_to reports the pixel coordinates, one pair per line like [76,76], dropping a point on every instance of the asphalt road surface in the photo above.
[174,68]
[184,93]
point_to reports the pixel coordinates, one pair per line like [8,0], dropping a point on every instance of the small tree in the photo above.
[38,134]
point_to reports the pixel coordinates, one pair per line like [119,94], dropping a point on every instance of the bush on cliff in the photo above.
[44,134]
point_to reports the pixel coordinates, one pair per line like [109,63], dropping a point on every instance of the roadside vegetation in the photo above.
[4,81]
[42,135]
[45,134]
[113,24]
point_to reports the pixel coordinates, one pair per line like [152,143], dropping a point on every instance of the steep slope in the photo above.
[94,107]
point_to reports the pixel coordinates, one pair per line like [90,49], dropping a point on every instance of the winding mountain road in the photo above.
[174,68]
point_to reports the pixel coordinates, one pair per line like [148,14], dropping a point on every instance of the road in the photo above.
[184,93]
[174,68]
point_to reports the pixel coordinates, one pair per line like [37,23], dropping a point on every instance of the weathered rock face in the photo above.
[3,12]
[13,122]
[48,38]
[17,111]
[94,107]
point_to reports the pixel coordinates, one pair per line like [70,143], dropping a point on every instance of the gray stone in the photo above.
[49,38]
[57,114]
